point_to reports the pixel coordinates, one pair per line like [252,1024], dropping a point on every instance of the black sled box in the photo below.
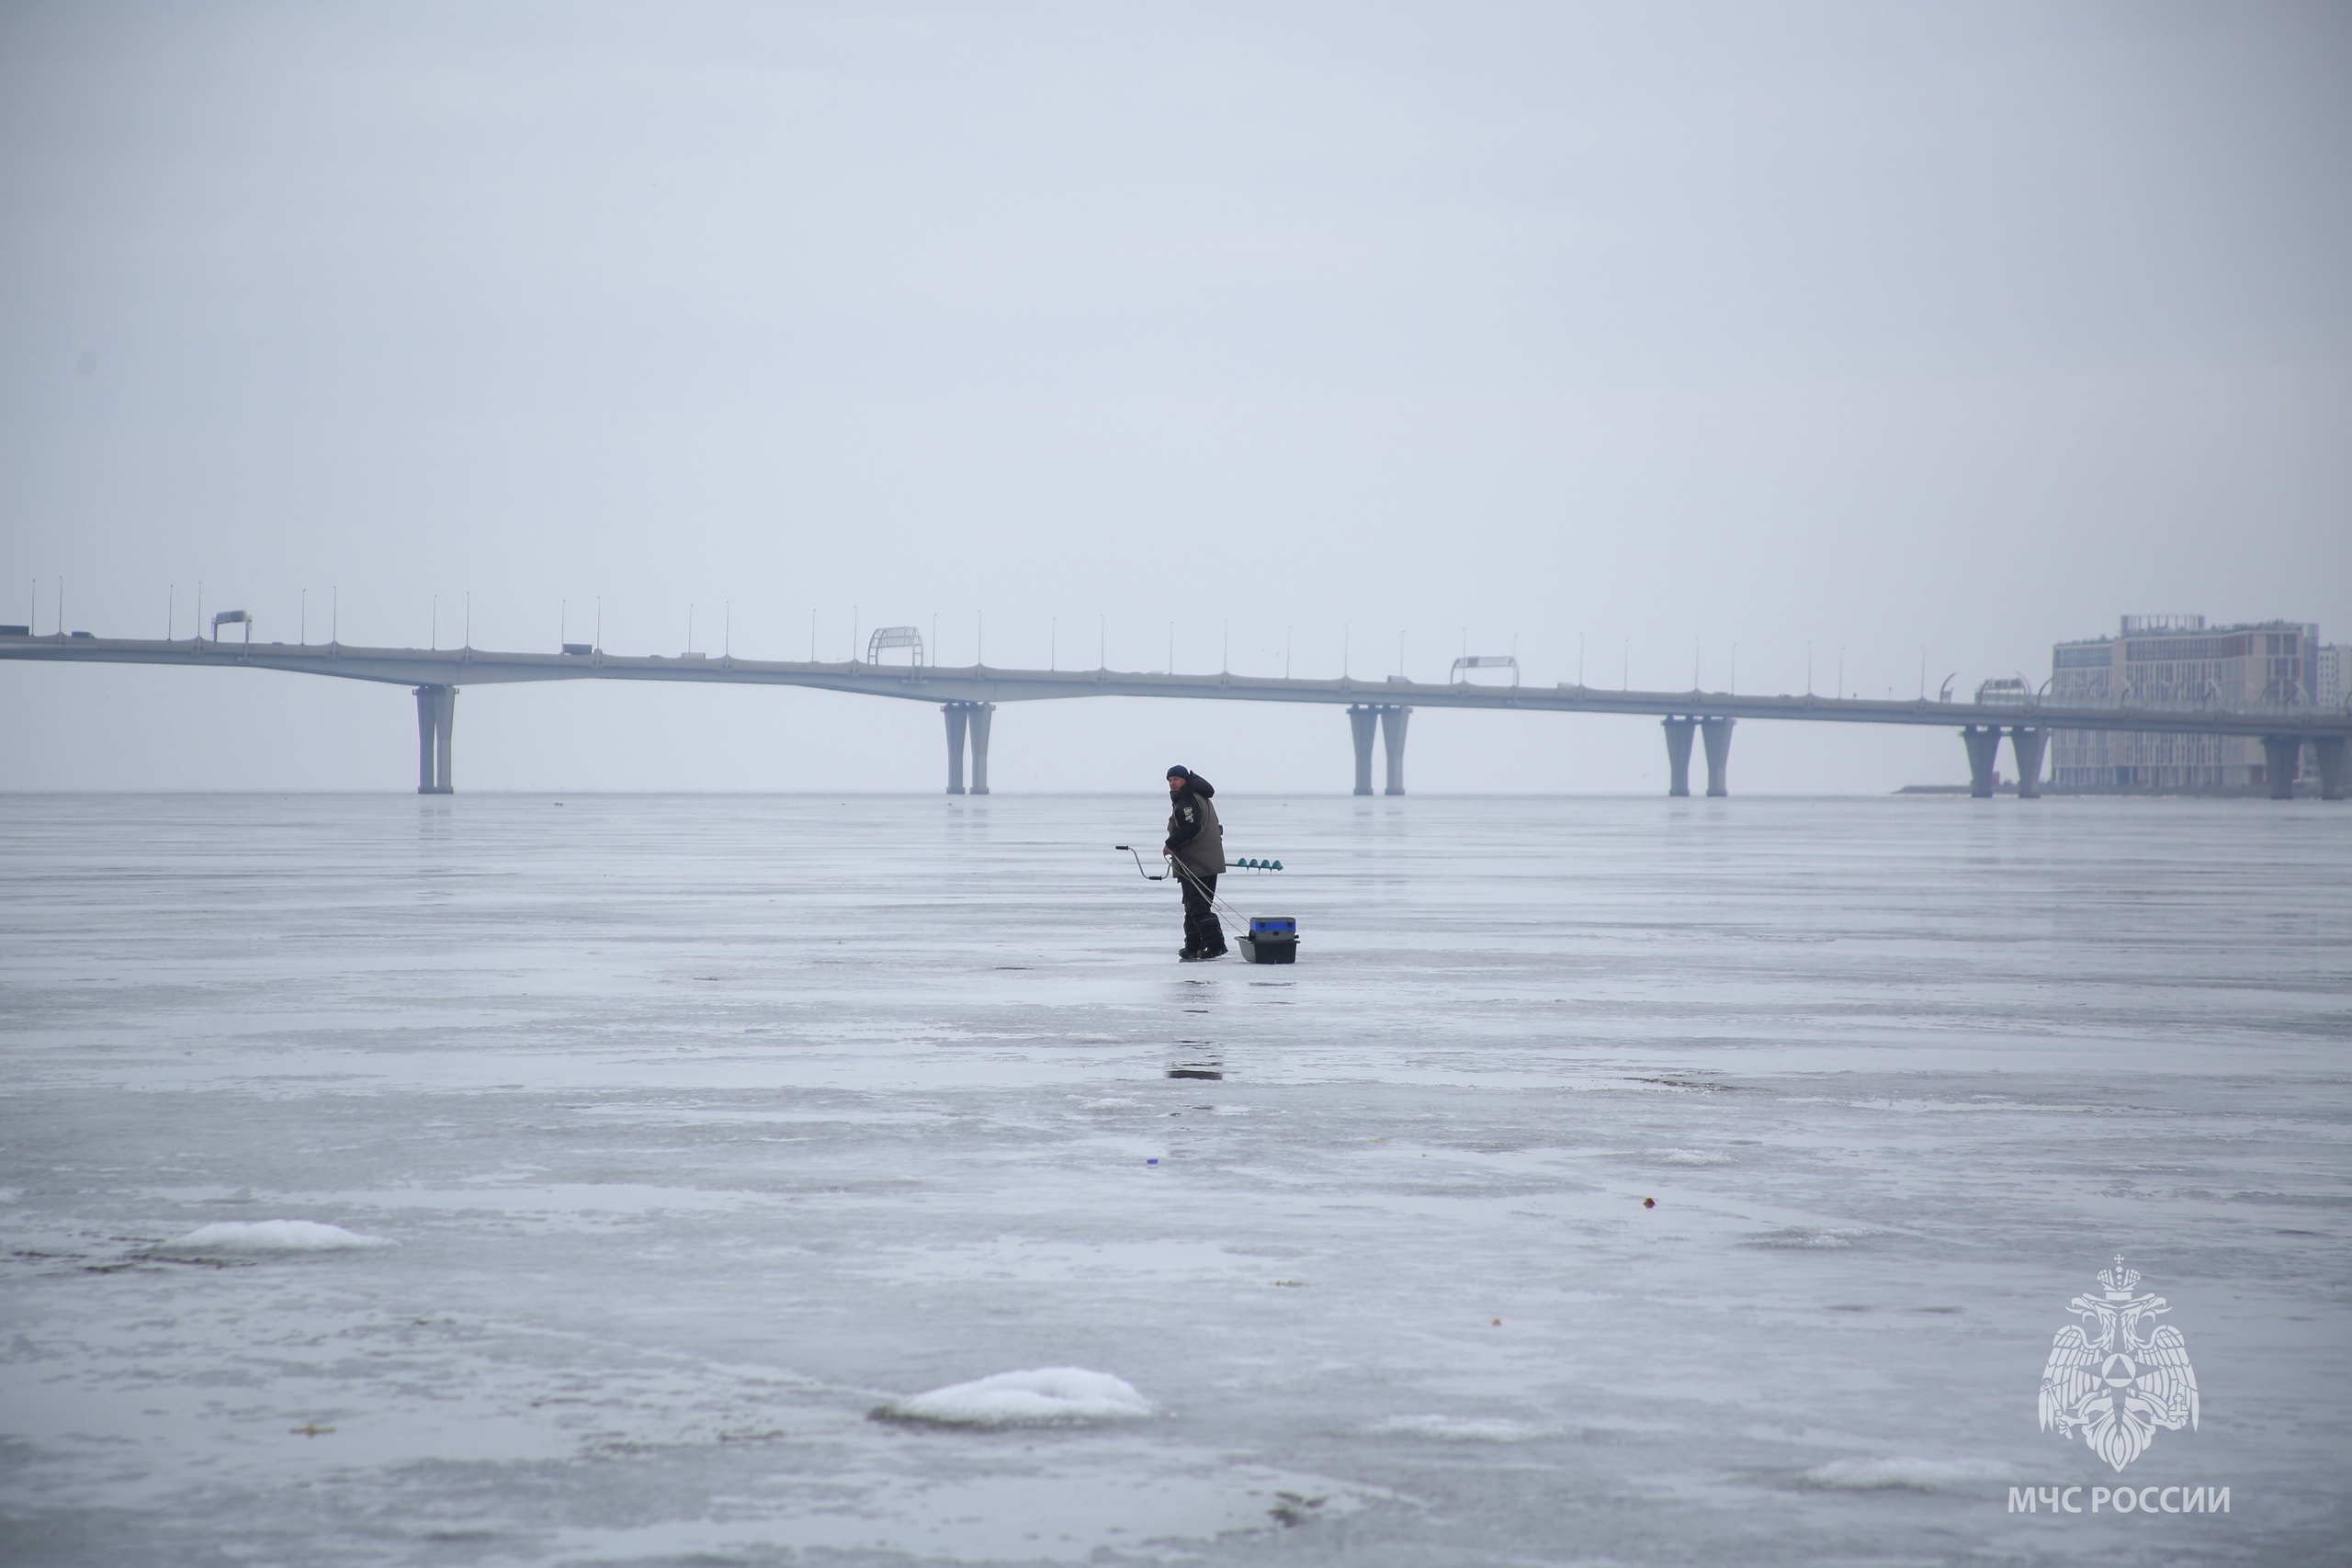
[1272,939]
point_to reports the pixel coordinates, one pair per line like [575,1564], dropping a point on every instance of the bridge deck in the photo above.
[982,684]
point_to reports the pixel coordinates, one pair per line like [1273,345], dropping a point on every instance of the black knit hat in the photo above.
[1180,771]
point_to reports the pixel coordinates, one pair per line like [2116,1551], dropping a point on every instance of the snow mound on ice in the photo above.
[1043,1396]
[1913,1475]
[1690,1157]
[275,1235]
[1461,1429]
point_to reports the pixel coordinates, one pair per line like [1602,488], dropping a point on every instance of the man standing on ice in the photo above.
[1196,845]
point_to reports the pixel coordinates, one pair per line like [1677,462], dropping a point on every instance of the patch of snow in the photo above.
[1802,1238]
[1690,1157]
[275,1235]
[1904,1471]
[1461,1429]
[1043,1396]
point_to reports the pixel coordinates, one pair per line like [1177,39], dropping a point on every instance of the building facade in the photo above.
[2179,661]
[2333,680]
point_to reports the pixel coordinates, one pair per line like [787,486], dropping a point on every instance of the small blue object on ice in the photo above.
[1151,1162]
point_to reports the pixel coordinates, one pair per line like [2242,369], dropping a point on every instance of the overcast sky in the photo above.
[1617,335]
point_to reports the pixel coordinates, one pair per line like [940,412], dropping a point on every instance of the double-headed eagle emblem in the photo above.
[2118,1375]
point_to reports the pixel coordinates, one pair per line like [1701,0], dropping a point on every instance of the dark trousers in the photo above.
[1202,934]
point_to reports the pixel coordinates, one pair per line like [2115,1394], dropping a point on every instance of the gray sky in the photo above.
[1629,327]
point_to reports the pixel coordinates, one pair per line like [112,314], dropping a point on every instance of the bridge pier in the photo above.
[1678,754]
[955,713]
[1984,743]
[1362,721]
[2279,755]
[436,715]
[1715,733]
[967,719]
[1392,732]
[981,714]
[2329,754]
[2027,746]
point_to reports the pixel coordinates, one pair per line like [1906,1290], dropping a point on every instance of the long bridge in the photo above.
[967,696]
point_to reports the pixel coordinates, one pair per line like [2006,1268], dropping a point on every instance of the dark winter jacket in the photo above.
[1194,835]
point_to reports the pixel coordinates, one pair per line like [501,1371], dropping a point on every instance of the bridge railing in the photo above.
[2181,707]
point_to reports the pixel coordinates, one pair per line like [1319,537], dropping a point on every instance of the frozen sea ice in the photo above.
[275,1235]
[1905,1472]
[1043,1396]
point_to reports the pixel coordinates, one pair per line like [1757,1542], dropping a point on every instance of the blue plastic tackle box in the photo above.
[1272,939]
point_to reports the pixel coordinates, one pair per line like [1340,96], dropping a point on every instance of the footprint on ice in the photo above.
[1044,1396]
[274,1235]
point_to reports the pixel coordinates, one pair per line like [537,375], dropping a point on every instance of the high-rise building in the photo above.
[2179,661]
[2332,682]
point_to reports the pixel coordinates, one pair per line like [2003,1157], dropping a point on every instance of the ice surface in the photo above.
[1917,1475]
[1043,1396]
[273,1235]
[1462,1429]
[704,1126]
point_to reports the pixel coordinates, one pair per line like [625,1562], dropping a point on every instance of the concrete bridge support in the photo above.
[2329,755]
[436,715]
[981,714]
[956,719]
[1716,735]
[2279,755]
[1984,743]
[1362,721]
[1392,731]
[1678,754]
[2027,746]
[967,719]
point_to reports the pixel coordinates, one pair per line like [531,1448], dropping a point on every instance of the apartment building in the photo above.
[2179,661]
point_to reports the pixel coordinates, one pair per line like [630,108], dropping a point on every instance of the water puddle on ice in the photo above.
[1196,1059]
